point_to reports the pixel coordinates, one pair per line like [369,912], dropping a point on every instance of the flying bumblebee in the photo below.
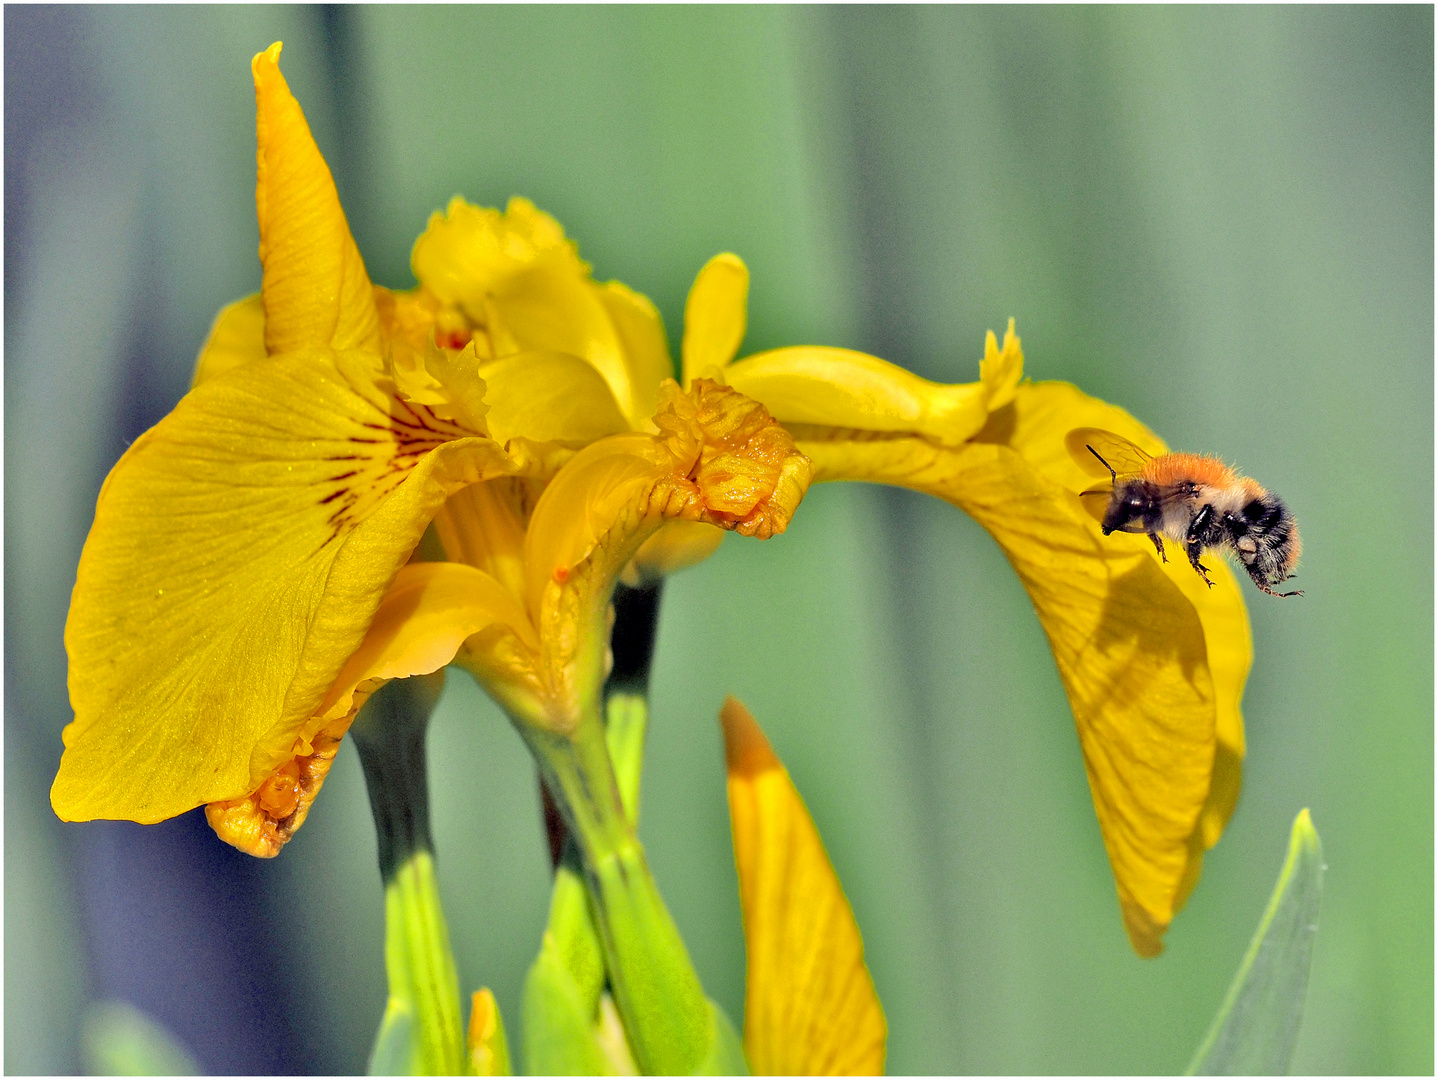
[1195,501]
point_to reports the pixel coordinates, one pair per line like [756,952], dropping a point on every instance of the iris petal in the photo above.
[549,396]
[315,289]
[719,459]
[641,331]
[239,551]
[841,388]
[1152,660]
[715,316]
[237,337]
[810,1008]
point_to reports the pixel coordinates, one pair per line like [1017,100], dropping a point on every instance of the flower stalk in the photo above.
[656,990]
[421,1034]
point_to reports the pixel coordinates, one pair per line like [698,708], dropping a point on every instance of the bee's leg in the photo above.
[1158,543]
[1198,530]
[1270,592]
[1195,549]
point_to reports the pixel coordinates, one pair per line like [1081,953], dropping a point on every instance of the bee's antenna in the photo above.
[1106,465]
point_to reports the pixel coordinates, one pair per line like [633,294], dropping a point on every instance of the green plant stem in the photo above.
[656,990]
[421,1033]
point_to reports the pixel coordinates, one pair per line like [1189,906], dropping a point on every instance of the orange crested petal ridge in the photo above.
[261,823]
[748,475]
[810,1007]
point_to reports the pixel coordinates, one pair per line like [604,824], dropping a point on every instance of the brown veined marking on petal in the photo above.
[412,431]
[261,823]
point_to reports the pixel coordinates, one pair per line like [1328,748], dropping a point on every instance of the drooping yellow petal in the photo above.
[239,551]
[1048,407]
[840,388]
[809,1003]
[237,337]
[715,316]
[426,615]
[315,288]
[1153,661]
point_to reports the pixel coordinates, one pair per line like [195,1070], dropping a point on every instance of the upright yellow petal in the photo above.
[239,551]
[646,350]
[468,252]
[515,275]
[315,289]
[715,316]
[809,1003]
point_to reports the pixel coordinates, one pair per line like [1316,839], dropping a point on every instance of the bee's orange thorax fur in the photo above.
[1175,468]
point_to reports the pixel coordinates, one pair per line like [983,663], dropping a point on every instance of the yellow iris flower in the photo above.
[249,577]
[245,584]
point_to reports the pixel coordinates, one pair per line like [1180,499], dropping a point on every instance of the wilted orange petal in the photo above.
[262,822]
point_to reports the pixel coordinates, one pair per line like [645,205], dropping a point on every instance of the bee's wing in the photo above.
[1095,501]
[1086,442]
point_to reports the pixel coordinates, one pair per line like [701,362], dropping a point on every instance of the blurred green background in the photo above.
[1221,219]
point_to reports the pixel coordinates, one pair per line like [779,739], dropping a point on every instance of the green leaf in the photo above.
[563,987]
[420,968]
[396,1044]
[1257,1026]
[726,1049]
[119,1040]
